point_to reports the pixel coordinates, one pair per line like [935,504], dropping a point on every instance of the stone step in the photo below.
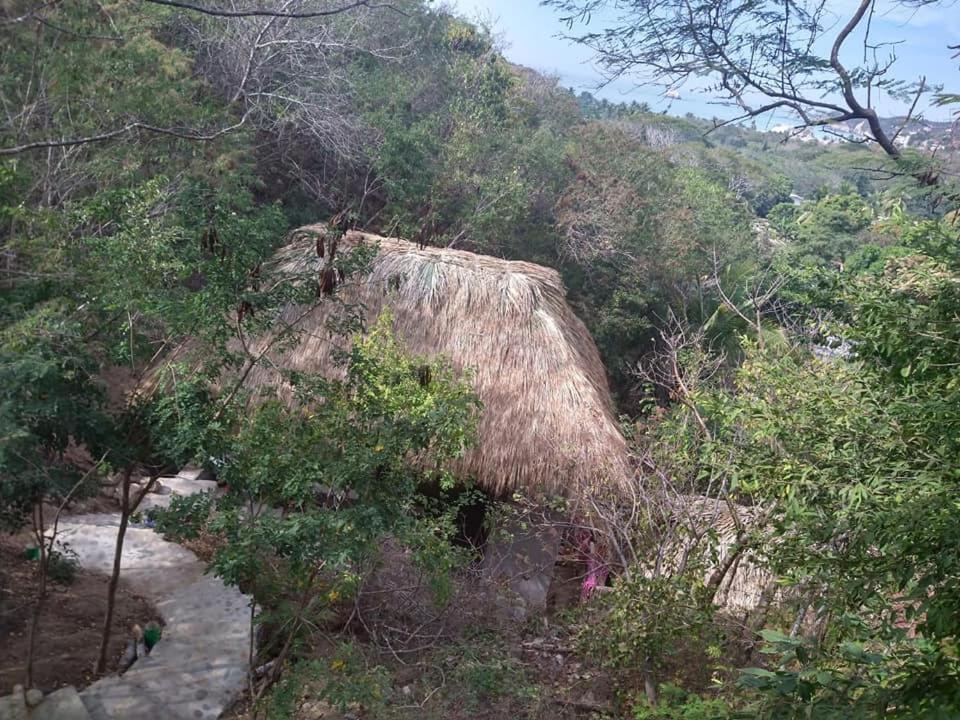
[116,698]
[193,473]
[94,708]
[169,487]
[206,600]
[198,685]
[63,704]
[154,566]
[199,666]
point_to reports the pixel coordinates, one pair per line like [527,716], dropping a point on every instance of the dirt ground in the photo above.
[70,627]
[469,663]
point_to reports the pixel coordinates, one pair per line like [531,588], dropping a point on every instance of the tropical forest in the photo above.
[425,360]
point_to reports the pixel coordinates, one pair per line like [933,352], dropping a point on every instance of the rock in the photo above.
[195,473]
[33,697]
[62,704]
[318,710]
[186,486]
[521,558]
[13,707]
[135,490]
[130,656]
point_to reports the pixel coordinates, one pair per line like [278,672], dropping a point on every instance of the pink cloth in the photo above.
[597,570]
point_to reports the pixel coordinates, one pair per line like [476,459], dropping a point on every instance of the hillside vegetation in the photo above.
[779,320]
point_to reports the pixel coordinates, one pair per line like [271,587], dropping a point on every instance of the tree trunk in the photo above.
[115,575]
[650,687]
[41,594]
[46,546]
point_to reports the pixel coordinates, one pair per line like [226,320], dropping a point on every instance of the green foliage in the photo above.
[49,397]
[845,457]
[640,237]
[822,692]
[471,153]
[345,680]
[360,433]
[782,217]
[62,566]
[120,255]
[649,621]
[828,231]
[487,677]
[185,518]
[852,456]
[676,704]
[103,283]
[116,62]
[345,465]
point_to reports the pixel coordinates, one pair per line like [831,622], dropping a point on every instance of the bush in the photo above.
[488,678]
[676,704]
[185,518]
[650,627]
[344,680]
[62,566]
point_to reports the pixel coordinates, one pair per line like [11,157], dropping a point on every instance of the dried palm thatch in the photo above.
[745,584]
[548,423]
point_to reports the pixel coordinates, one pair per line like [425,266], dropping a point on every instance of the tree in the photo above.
[278,67]
[638,236]
[48,404]
[105,282]
[759,57]
[830,230]
[315,488]
[293,75]
[854,455]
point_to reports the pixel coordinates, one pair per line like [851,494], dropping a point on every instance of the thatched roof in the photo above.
[746,581]
[548,422]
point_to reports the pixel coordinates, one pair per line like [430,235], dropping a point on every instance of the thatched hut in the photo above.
[722,528]
[548,422]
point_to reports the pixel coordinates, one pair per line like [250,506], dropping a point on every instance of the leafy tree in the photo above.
[853,455]
[828,231]
[782,217]
[315,488]
[472,150]
[804,69]
[641,236]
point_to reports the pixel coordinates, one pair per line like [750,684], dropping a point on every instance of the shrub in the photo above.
[185,518]
[62,565]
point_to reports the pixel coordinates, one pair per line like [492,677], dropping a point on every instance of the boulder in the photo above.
[520,557]
[14,707]
[63,704]
[33,697]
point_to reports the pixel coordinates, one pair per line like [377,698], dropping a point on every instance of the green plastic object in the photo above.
[32,553]
[151,636]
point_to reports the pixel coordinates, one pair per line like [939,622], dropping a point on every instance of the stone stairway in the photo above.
[62,704]
[200,665]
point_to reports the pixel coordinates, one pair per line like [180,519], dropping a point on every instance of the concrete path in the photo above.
[200,665]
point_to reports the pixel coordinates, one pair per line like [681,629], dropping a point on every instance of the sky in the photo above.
[531,36]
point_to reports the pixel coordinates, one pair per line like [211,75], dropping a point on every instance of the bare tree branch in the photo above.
[128,128]
[74,33]
[258,12]
[761,56]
